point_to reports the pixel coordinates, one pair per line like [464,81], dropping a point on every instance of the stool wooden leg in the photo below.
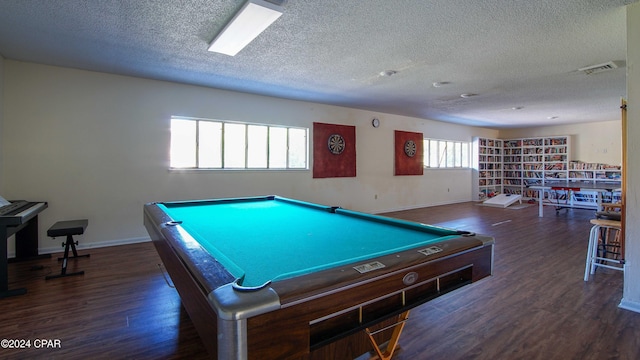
[606,241]
[617,240]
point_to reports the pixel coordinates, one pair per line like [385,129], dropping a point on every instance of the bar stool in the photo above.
[68,229]
[602,248]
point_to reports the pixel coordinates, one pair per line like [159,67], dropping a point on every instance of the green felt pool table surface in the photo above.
[268,239]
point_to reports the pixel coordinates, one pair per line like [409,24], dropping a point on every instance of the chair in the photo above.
[605,246]
[68,229]
[611,211]
[611,207]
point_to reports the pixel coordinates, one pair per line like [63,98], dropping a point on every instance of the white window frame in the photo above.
[194,153]
[450,154]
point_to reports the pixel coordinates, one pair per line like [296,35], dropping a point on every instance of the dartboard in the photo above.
[336,144]
[410,148]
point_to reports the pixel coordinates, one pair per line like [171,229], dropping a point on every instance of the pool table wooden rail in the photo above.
[321,321]
[192,287]
[397,265]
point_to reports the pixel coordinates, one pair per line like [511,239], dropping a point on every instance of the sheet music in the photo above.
[3,201]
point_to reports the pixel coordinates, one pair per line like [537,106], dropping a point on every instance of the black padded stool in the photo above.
[68,229]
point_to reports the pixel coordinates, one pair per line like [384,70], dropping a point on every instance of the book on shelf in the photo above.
[556,141]
[532,142]
[579,165]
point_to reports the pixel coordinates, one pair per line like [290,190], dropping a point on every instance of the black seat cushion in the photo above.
[69,227]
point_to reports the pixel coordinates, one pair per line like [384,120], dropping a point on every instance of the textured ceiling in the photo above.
[520,57]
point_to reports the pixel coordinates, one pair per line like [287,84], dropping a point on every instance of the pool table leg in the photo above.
[232,339]
[233,308]
[387,354]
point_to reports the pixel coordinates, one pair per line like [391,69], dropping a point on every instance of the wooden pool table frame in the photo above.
[314,316]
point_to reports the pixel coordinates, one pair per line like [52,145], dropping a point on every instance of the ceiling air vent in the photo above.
[599,68]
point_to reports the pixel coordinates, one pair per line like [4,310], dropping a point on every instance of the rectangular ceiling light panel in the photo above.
[599,68]
[254,17]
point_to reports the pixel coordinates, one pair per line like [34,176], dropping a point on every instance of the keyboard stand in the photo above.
[4,271]
[25,227]
[14,292]
[27,243]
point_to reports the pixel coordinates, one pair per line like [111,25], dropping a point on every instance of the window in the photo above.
[211,144]
[446,154]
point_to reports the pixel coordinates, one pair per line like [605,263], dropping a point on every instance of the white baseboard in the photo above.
[629,305]
[420,206]
[93,245]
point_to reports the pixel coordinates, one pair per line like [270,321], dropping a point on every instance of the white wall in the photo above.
[96,146]
[597,142]
[631,295]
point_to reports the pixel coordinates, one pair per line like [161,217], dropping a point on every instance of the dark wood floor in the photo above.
[535,306]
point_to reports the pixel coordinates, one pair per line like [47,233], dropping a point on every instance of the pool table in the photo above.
[276,278]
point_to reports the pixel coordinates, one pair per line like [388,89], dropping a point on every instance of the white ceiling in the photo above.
[512,54]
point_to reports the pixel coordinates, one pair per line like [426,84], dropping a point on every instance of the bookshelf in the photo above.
[487,168]
[512,167]
[594,172]
[534,160]
[598,175]
[556,157]
[538,161]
